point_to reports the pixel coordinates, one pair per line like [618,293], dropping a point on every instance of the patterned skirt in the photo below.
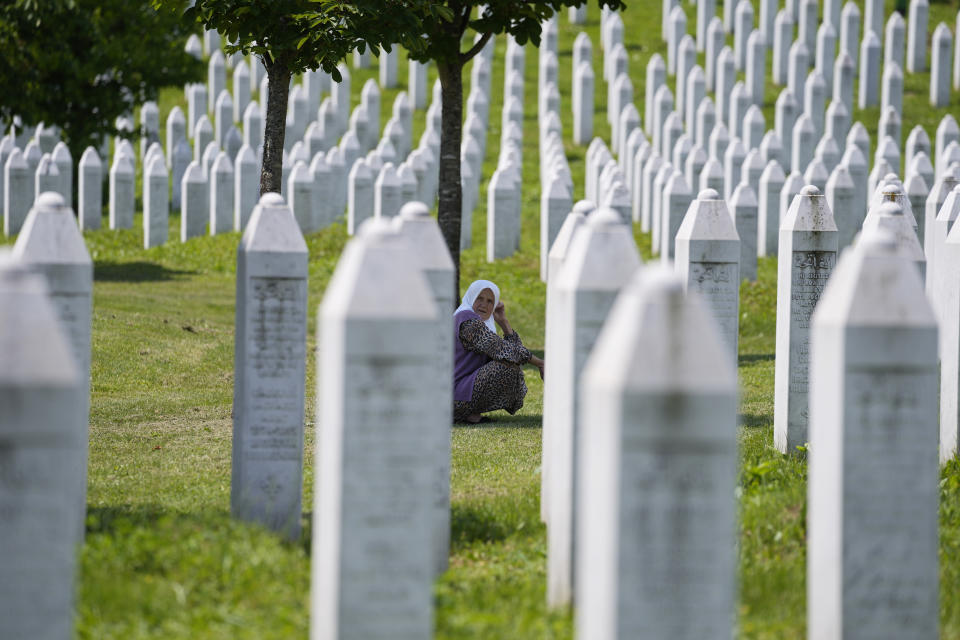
[498,385]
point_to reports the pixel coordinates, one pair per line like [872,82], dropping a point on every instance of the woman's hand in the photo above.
[538,363]
[500,314]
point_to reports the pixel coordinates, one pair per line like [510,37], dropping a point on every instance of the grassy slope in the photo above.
[162,557]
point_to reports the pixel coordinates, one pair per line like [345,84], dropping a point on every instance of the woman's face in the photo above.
[483,305]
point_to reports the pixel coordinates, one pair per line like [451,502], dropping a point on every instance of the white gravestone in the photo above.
[768,209]
[600,260]
[946,294]
[869,71]
[841,198]
[121,192]
[246,186]
[423,235]
[156,203]
[503,216]
[42,424]
[18,192]
[872,566]
[941,54]
[47,177]
[890,217]
[195,207]
[360,203]
[270,361]
[676,199]
[659,468]
[221,194]
[386,192]
[301,189]
[64,161]
[709,254]
[917,21]
[744,210]
[51,244]
[373,566]
[89,190]
[556,201]
[558,253]
[808,254]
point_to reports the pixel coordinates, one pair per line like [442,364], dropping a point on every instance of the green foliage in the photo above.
[301,34]
[79,64]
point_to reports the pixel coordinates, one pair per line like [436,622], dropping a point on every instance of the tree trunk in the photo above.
[450,192]
[275,126]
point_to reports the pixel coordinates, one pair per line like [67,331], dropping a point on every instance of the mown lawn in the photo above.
[164,560]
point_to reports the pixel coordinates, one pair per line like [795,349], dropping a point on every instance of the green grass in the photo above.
[163,558]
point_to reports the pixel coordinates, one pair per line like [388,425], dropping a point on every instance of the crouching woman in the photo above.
[487,373]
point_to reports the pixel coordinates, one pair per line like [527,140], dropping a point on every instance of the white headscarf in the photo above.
[471,296]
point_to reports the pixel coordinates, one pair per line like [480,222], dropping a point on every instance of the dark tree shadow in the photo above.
[753,420]
[135,272]
[748,358]
[470,524]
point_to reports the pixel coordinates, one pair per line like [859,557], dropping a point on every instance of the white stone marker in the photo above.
[726,77]
[156,203]
[873,487]
[785,117]
[768,209]
[246,186]
[841,198]
[894,42]
[825,49]
[64,161]
[360,205]
[755,65]
[808,253]
[121,192]
[583,105]
[890,217]
[558,253]
[600,260]
[269,370]
[917,21]
[940,60]
[782,39]
[47,176]
[386,192]
[850,31]
[216,75]
[42,424]
[89,190]
[195,205]
[252,126]
[657,524]
[421,232]
[241,90]
[843,79]
[650,170]
[804,143]
[300,186]
[51,244]
[182,157]
[709,254]
[676,199]
[744,211]
[373,543]
[503,216]
[946,294]
[556,201]
[743,20]
[869,71]
[797,68]
[892,89]
[221,194]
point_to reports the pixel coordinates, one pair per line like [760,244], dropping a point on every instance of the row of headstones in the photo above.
[621,523]
[505,188]
[791,59]
[220,186]
[757,164]
[385,512]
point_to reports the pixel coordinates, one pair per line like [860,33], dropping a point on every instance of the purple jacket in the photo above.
[466,363]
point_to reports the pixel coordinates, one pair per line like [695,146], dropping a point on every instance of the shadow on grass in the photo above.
[754,420]
[469,524]
[121,518]
[750,358]
[138,271]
